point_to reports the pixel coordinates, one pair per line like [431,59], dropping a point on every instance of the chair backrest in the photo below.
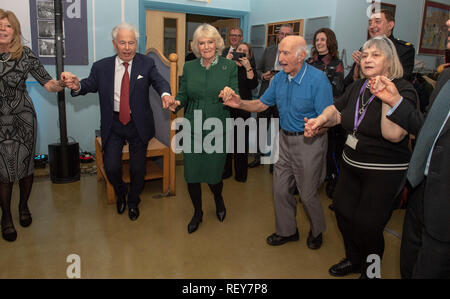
[163,118]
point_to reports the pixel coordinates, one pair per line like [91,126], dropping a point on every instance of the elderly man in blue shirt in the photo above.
[298,91]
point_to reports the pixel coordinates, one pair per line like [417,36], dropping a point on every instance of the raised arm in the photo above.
[231,99]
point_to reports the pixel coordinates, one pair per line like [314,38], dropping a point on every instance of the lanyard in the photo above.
[358,118]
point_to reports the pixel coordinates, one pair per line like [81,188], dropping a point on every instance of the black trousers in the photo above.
[364,201]
[421,255]
[240,159]
[112,158]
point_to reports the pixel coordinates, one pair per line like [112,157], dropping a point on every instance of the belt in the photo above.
[287,133]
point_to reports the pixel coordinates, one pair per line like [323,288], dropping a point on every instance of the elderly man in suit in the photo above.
[425,244]
[122,82]
[267,68]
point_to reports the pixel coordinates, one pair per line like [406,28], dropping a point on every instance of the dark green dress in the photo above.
[199,91]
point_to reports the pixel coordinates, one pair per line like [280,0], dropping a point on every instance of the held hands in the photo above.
[312,126]
[385,90]
[70,81]
[169,102]
[230,98]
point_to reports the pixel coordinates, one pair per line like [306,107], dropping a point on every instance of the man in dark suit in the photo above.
[123,83]
[267,68]
[425,244]
[382,23]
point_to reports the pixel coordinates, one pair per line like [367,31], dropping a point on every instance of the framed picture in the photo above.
[433,38]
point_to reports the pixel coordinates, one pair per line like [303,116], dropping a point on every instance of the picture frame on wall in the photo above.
[433,37]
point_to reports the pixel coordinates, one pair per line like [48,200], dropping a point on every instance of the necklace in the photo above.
[363,105]
[7,59]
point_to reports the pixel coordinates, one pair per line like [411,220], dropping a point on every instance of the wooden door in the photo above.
[166,32]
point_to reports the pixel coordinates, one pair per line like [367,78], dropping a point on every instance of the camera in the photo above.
[237,55]
[274,72]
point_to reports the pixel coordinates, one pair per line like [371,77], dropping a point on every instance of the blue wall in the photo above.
[348,20]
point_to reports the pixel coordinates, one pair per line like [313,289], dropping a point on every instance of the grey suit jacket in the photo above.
[266,64]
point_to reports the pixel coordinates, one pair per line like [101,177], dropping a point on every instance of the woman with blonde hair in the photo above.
[202,81]
[375,157]
[18,120]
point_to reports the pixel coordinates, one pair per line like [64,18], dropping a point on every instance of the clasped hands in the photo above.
[71,81]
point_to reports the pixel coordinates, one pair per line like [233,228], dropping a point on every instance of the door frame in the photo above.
[145,5]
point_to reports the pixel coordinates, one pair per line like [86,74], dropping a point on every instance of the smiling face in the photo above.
[6,33]
[379,25]
[235,37]
[290,58]
[321,43]
[374,63]
[125,44]
[207,47]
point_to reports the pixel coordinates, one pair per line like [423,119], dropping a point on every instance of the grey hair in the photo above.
[386,46]
[302,49]
[125,26]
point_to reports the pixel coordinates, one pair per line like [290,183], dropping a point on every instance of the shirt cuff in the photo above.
[77,91]
[165,94]
[392,110]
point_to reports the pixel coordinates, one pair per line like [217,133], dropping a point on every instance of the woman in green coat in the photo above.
[202,81]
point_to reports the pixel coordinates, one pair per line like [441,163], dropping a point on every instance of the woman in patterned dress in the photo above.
[17,120]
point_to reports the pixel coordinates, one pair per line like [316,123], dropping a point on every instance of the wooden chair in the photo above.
[160,158]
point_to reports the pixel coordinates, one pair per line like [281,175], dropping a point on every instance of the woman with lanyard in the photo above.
[375,157]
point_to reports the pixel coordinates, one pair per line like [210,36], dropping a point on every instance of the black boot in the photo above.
[221,211]
[8,230]
[195,192]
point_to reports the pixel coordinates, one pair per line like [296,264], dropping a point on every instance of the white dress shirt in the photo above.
[118,75]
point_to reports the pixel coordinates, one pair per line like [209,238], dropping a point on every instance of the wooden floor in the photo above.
[75,219]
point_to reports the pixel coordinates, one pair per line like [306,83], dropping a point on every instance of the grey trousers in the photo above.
[302,164]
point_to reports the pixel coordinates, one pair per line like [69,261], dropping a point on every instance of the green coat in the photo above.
[199,90]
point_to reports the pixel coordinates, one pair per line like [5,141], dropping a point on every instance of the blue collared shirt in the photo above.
[305,95]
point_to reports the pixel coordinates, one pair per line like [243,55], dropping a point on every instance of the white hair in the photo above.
[302,49]
[125,26]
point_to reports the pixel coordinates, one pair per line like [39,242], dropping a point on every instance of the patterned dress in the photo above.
[18,124]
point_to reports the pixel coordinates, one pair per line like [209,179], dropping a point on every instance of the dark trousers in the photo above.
[269,113]
[240,159]
[112,158]
[364,201]
[421,255]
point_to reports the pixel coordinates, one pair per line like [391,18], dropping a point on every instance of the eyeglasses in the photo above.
[235,35]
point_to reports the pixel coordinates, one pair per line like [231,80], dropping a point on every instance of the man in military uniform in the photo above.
[382,22]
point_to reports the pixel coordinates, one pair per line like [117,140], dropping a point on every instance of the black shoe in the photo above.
[343,268]
[275,240]
[331,206]
[195,222]
[25,218]
[121,205]
[9,232]
[314,243]
[221,211]
[133,213]
[255,163]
